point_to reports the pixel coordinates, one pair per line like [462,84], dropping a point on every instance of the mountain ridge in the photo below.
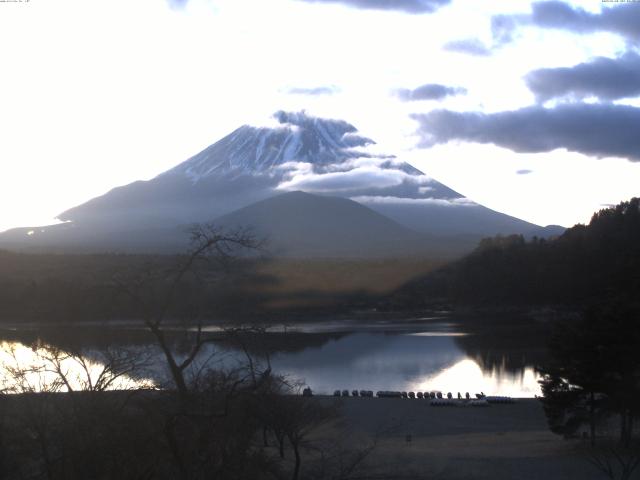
[323,157]
[302,224]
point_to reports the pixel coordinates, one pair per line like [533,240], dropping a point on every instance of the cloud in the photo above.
[445,202]
[622,18]
[469,46]
[302,120]
[177,4]
[605,78]
[357,174]
[524,171]
[359,162]
[313,91]
[503,27]
[292,168]
[355,179]
[349,138]
[407,6]
[430,91]
[598,130]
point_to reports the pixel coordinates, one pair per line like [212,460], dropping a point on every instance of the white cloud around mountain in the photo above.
[340,181]
[444,202]
[353,174]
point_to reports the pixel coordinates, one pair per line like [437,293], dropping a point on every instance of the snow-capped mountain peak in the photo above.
[298,137]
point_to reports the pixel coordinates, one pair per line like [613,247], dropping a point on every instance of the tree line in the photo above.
[587,263]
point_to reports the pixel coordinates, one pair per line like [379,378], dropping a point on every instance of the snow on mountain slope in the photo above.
[251,150]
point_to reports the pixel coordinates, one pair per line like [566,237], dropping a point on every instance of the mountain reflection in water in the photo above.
[374,361]
[413,358]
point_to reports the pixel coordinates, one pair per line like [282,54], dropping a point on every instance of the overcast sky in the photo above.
[530,108]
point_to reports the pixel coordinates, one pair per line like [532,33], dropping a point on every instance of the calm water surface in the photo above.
[411,361]
[413,356]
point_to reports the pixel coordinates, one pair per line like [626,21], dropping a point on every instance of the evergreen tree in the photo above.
[594,371]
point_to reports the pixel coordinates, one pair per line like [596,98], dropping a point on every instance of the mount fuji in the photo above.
[301,153]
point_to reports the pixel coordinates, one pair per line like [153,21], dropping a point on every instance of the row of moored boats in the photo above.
[436,398]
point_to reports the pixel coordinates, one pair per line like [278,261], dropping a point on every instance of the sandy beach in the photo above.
[509,441]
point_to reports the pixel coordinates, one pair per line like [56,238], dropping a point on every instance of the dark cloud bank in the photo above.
[598,130]
[591,129]
[620,18]
[605,78]
[407,6]
[430,91]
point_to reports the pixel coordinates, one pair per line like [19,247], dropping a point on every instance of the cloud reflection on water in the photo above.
[415,362]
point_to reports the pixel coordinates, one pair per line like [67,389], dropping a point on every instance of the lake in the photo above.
[423,354]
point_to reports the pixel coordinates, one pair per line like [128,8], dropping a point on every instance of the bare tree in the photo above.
[109,369]
[51,369]
[617,461]
[297,418]
[63,420]
[156,290]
